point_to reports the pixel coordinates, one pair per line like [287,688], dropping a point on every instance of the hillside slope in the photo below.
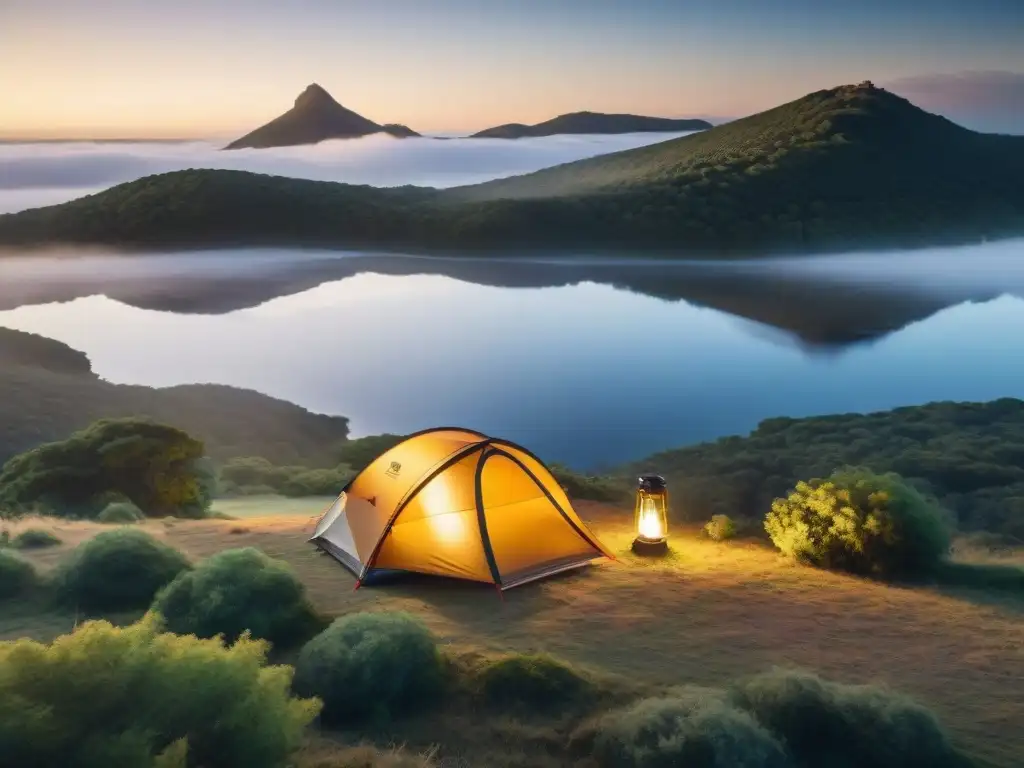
[592,123]
[970,456]
[847,168]
[48,390]
[315,117]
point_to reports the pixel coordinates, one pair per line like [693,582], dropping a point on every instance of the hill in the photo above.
[854,167]
[315,117]
[592,123]
[970,456]
[48,390]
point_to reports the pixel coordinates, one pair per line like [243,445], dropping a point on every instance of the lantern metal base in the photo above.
[644,547]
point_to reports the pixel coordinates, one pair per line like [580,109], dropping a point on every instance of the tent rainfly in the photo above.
[454,502]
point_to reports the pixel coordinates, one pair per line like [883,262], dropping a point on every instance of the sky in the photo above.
[218,68]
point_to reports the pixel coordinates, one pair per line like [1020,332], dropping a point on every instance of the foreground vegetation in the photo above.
[415,664]
[849,167]
[458,674]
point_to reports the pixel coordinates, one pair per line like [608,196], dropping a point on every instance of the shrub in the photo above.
[720,528]
[694,729]
[361,451]
[16,575]
[117,570]
[370,664]
[253,475]
[35,538]
[120,512]
[591,487]
[107,696]
[535,681]
[158,467]
[860,522]
[316,482]
[235,591]
[825,723]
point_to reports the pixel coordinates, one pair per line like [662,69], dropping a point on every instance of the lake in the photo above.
[588,362]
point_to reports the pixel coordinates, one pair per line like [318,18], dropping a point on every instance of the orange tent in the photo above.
[454,502]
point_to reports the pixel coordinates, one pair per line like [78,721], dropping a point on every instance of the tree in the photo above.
[155,466]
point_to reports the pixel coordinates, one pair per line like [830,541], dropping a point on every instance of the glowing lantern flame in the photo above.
[649,525]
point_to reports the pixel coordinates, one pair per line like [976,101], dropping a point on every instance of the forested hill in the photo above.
[846,168]
[48,390]
[970,456]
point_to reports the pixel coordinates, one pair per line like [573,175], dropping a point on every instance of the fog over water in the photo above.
[45,173]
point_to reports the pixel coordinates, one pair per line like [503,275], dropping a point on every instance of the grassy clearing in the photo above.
[705,615]
[306,508]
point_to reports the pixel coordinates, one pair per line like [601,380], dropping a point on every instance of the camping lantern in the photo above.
[651,515]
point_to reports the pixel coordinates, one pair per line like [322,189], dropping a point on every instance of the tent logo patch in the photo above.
[394,469]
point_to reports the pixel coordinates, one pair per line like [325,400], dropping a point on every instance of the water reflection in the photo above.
[587,362]
[821,302]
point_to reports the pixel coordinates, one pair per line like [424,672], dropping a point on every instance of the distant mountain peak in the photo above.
[315,95]
[317,116]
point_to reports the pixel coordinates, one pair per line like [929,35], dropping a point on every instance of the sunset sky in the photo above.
[145,68]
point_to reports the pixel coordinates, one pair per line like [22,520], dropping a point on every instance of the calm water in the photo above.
[574,359]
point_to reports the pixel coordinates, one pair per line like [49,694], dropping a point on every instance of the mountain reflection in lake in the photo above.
[588,361]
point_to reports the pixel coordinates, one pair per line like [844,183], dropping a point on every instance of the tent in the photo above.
[454,502]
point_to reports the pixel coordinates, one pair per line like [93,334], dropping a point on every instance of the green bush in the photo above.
[35,538]
[235,591]
[254,475]
[534,681]
[694,729]
[316,482]
[16,575]
[157,466]
[358,453]
[590,487]
[117,570]
[120,512]
[374,665]
[860,522]
[720,528]
[106,696]
[824,723]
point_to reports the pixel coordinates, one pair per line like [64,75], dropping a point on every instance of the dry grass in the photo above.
[706,614]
